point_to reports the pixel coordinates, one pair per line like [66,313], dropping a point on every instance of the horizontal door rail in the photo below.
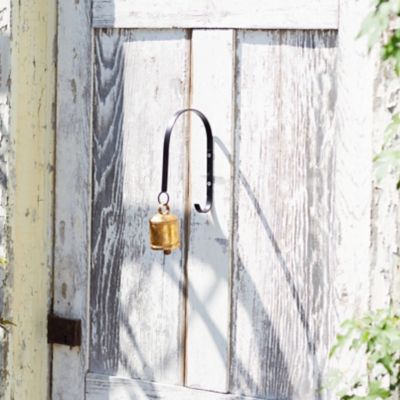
[221,14]
[103,387]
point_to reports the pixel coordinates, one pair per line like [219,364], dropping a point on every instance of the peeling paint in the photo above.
[73,89]
[64,288]
[31,194]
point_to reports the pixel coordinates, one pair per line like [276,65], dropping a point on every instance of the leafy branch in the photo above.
[377,335]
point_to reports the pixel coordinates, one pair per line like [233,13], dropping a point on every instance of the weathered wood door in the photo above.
[249,305]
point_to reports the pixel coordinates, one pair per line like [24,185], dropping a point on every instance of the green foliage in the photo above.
[377,27]
[388,160]
[377,336]
[380,28]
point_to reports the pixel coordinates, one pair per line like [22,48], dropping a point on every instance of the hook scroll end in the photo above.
[201,210]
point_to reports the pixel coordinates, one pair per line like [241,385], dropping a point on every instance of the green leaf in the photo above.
[376,391]
[388,155]
[341,339]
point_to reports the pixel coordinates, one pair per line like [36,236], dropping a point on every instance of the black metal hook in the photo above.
[210,159]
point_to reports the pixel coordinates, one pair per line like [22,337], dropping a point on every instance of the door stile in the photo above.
[212,77]
[187,204]
[73,192]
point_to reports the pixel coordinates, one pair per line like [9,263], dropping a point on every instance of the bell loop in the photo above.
[163,209]
[160,202]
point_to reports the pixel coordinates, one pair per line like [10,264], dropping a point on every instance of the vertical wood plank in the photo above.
[5,75]
[353,161]
[353,172]
[210,234]
[73,191]
[30,201]
[284,208]
[141,78]
[385,217]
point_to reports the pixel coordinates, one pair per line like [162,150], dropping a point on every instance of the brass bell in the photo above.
[164,230]
[164,227]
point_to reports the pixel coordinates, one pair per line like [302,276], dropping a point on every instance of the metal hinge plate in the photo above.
[64,331]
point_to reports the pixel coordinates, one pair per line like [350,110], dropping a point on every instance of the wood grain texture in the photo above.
[353,178]
[385,217]
[301,214]
[5,72]
[353,174]
[210,234]
[73,189]
[141,78]
[5,75]
[101,387]
[284,210]
[252,14]
[31,195]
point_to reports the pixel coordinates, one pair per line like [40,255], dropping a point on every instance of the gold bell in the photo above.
[164,227]
[164,230]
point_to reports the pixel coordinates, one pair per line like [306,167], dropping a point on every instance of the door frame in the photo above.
[355,75]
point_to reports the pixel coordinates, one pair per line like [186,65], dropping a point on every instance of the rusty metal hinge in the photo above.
[64,331]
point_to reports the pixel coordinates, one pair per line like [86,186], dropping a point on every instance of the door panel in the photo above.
[263,325]
[284,208]
[141,78]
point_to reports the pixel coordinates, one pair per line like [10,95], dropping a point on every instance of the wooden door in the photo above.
[248,307]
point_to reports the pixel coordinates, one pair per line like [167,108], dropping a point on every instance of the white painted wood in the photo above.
[73,191]
[5,74]
[353,161]
[302,196]
[141,78]
[210,234]
[385,229]
[250,14]
[101,387]
[385,233]
[353,174]
[284,210]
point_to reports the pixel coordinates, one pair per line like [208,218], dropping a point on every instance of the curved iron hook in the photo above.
[210,158]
